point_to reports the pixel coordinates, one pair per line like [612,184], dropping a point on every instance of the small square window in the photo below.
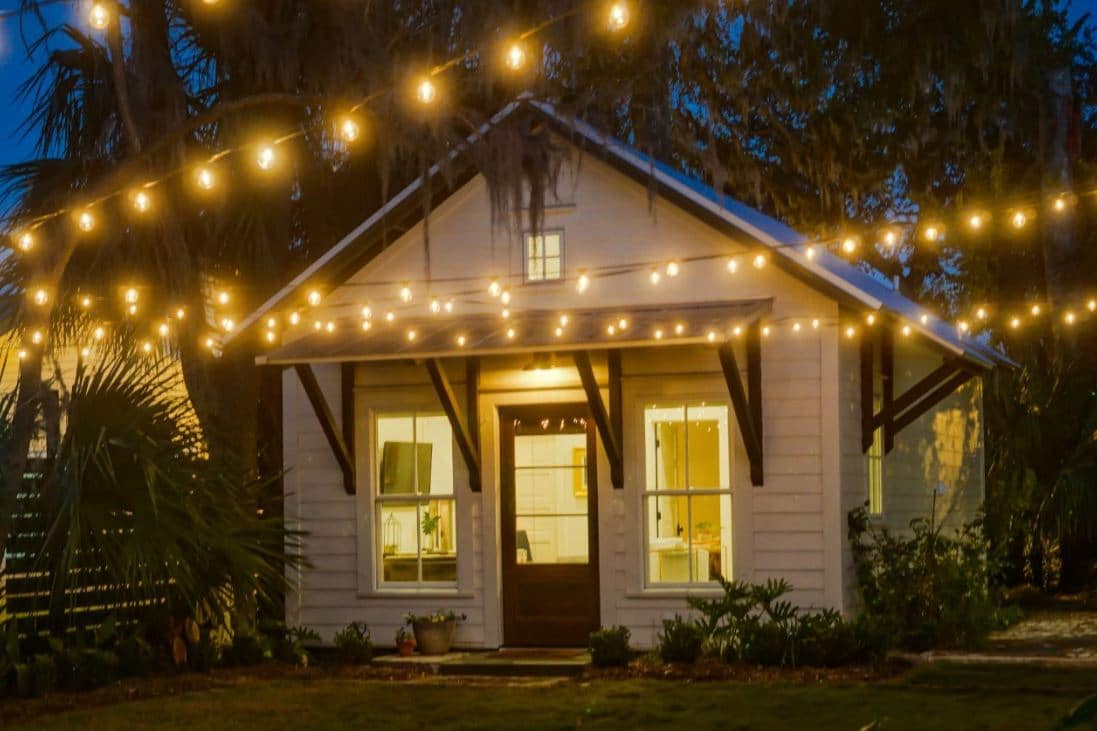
[544,256]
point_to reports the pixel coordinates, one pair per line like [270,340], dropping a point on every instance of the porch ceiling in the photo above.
[437,336]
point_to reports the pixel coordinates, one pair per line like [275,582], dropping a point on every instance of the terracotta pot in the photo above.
[406,648]
[434,638]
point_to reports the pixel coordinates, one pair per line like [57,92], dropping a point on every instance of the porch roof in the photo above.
[438,336]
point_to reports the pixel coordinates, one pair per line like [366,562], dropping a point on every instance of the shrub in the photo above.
[248,648]
[609,647]
[752,623]
[926,589]
[354,644]
[86,668]
[680,640]
[43,674]
[288,643]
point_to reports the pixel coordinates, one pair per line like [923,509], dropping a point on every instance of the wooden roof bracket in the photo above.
[747,402]
[899,412]
[336,440]
[466,427]
[608,424]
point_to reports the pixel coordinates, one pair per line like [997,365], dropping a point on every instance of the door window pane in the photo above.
[550,494]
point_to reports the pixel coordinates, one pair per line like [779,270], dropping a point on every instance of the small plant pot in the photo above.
[434,638]
[406,648]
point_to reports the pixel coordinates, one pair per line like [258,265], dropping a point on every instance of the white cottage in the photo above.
[610,444]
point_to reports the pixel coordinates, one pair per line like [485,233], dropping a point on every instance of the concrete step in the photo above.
[501,663]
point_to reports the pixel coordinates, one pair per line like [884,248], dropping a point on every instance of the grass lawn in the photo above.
[939,697]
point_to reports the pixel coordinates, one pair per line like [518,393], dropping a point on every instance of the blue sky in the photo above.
[15,67]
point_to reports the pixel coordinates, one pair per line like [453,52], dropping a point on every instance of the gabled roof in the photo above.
[825,271]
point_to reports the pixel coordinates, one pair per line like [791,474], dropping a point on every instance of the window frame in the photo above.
[647,494]
[527,236]
[419,501]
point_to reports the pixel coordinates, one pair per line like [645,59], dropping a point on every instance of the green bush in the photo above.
[248,648]
[288,643]
[680,640]
[354,644]
[609,647]
[925,589]
[205,654]
[86,668]
[43,674]
[752,623]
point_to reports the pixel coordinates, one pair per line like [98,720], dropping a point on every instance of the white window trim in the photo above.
[417,588]
[526,235]
[671,589]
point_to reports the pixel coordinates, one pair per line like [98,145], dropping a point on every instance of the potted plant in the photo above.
[434,632]
[405,643]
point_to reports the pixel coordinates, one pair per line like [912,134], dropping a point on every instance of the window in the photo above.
[687,496]
[415,504]
[544,256]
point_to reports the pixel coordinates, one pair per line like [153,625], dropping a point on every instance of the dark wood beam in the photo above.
[601,418]
[946,389]
[754,386]
[616,417]
[327,423]
[868,372]
[749,427]
[347,378]
[887,372]
[472,413]
[465,443]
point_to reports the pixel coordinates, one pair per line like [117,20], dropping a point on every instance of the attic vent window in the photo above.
[544,256]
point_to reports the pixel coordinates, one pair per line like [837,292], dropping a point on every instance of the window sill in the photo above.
[411,593]
[675,593]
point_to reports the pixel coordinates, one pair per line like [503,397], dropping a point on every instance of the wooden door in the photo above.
[550,525]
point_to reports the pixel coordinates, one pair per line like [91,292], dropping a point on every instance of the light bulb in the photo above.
[711,336]
[41,297]
[583,283]
[906,330]
[99,333]
[1019,219]
[850,332]
[737,331]
[390,316]
[511,333]
[795,327]
[146,346]
[495,289]
[1035,310]
[330,326]
[759,261]
[85,221]
[849,245]
[505,297]
[265,158]
[141,201]
[349,129]
[448,307]
[272,323]
[1060,204]
[618,17]
[85,302]
[294,318]
[622,324]
[131,296]
[1015,323]
[412,335]
[658,334]
[426,92]
[461,340]
[976,221]
[733,264]
[932,233]
[611,330]
[98,16]
[515,58]
[205,178]
[654,277]
[963,326]
[981,313]
[1069,318]
[36,337]
[871,319]
[180,314]
[765,331]
[223,298]
[815,324]
[558,331]
[1091,305]
[164,330]
[405,293]
[26,241]
[810,252]
[314,298]
[672,269]
[890,238]
[564,320]
[227,324]
[366,325]
[435,305]
[679,329]
[271,336]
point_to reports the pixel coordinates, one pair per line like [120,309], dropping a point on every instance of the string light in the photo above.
[654,277]
[164,330]
[1035,310]
[435,305]
[349,129]
[36,337]
[504,297]
[131,296]
[412,335]
[85,352]
[85,302]
[1019,219]
[1092,305]
[759,261]
[981,313]
[871,320]
[564,319]
[1015,323]
[180,314]
[1069,317]
[228,324]
[906,331]
[131,310]
[1060,204]
[815,324]
[622,324]
[515,58]
[271,336]
[795,328]
[210,343]
[672,269]
[366,325]
[611,329]
[890,238]
[22,355]
[294,318]
[733,264]
[963,326]
[810,252]
[679,329]
[511,333]
[426,92]
[272,323]
[583,283]
[85,221]
[265,158]
[223,298]
[405,293]
[849,245]
[314,298]
[98,16]
[448,307]
[711,336]
[976,221]
[205,178]
[559,331]
[932,233]
[737,331]
[461,340]
[505,313]
[367,313]
[330,326]
[142,202]
[618,16]
[390,316]
[146,346]
[766,330]
[99,333]
[850,332]
[41,297]
[26,241]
